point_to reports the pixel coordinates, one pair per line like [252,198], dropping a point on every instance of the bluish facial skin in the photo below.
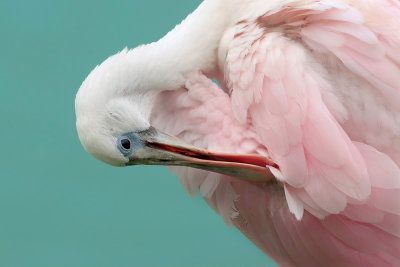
[129,142]
[147,147]
[137,147]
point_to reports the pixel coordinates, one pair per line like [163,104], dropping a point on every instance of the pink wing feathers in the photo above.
[280,84]
[276,80]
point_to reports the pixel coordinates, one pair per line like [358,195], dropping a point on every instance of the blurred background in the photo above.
[58,205]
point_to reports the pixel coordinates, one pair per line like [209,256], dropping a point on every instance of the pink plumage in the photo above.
[320,94]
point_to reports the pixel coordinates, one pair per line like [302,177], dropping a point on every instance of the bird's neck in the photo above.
[189,47]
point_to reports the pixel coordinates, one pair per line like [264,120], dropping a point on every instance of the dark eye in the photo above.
[126,143]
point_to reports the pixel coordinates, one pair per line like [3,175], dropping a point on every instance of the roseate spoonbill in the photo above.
[304,127]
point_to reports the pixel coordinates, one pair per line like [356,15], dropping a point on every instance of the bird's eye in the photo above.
[126,143]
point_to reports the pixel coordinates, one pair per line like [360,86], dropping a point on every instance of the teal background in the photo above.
[61,207]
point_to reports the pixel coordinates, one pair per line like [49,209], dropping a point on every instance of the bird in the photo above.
[283,114]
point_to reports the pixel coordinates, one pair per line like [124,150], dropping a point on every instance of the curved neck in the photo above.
[189,47]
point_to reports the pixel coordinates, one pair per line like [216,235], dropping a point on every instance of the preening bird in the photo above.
[298,145]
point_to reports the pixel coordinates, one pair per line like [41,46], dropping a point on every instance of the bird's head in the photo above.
[110,107]
[113,107]
[114,103]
